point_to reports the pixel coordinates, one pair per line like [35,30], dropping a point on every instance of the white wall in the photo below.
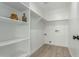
[7,31]
[74,29]
[6,10]
[36,32]
[59,38]
[57,19]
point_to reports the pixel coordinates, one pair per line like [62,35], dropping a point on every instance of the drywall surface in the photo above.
[36,32]
[6,10]
[74,29]
[57,32]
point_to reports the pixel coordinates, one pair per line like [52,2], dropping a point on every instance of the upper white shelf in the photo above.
[11,41]
[8,20]
[22,6]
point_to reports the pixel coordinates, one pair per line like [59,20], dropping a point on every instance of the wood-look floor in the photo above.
[51,51]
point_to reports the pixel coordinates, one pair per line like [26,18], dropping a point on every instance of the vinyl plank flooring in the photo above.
[39,51]
[59,52]
[51,51]
[66,52]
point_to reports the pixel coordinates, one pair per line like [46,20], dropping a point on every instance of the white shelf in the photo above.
[27,6]
[11,41]
[23,55]
[20,54]
[22,6]
[8,20]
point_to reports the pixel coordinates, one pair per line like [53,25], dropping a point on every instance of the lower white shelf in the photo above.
[11,41]
[20,54]
[19,49]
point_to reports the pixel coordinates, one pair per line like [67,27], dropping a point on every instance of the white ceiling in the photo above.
[48,8]
[51,5]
